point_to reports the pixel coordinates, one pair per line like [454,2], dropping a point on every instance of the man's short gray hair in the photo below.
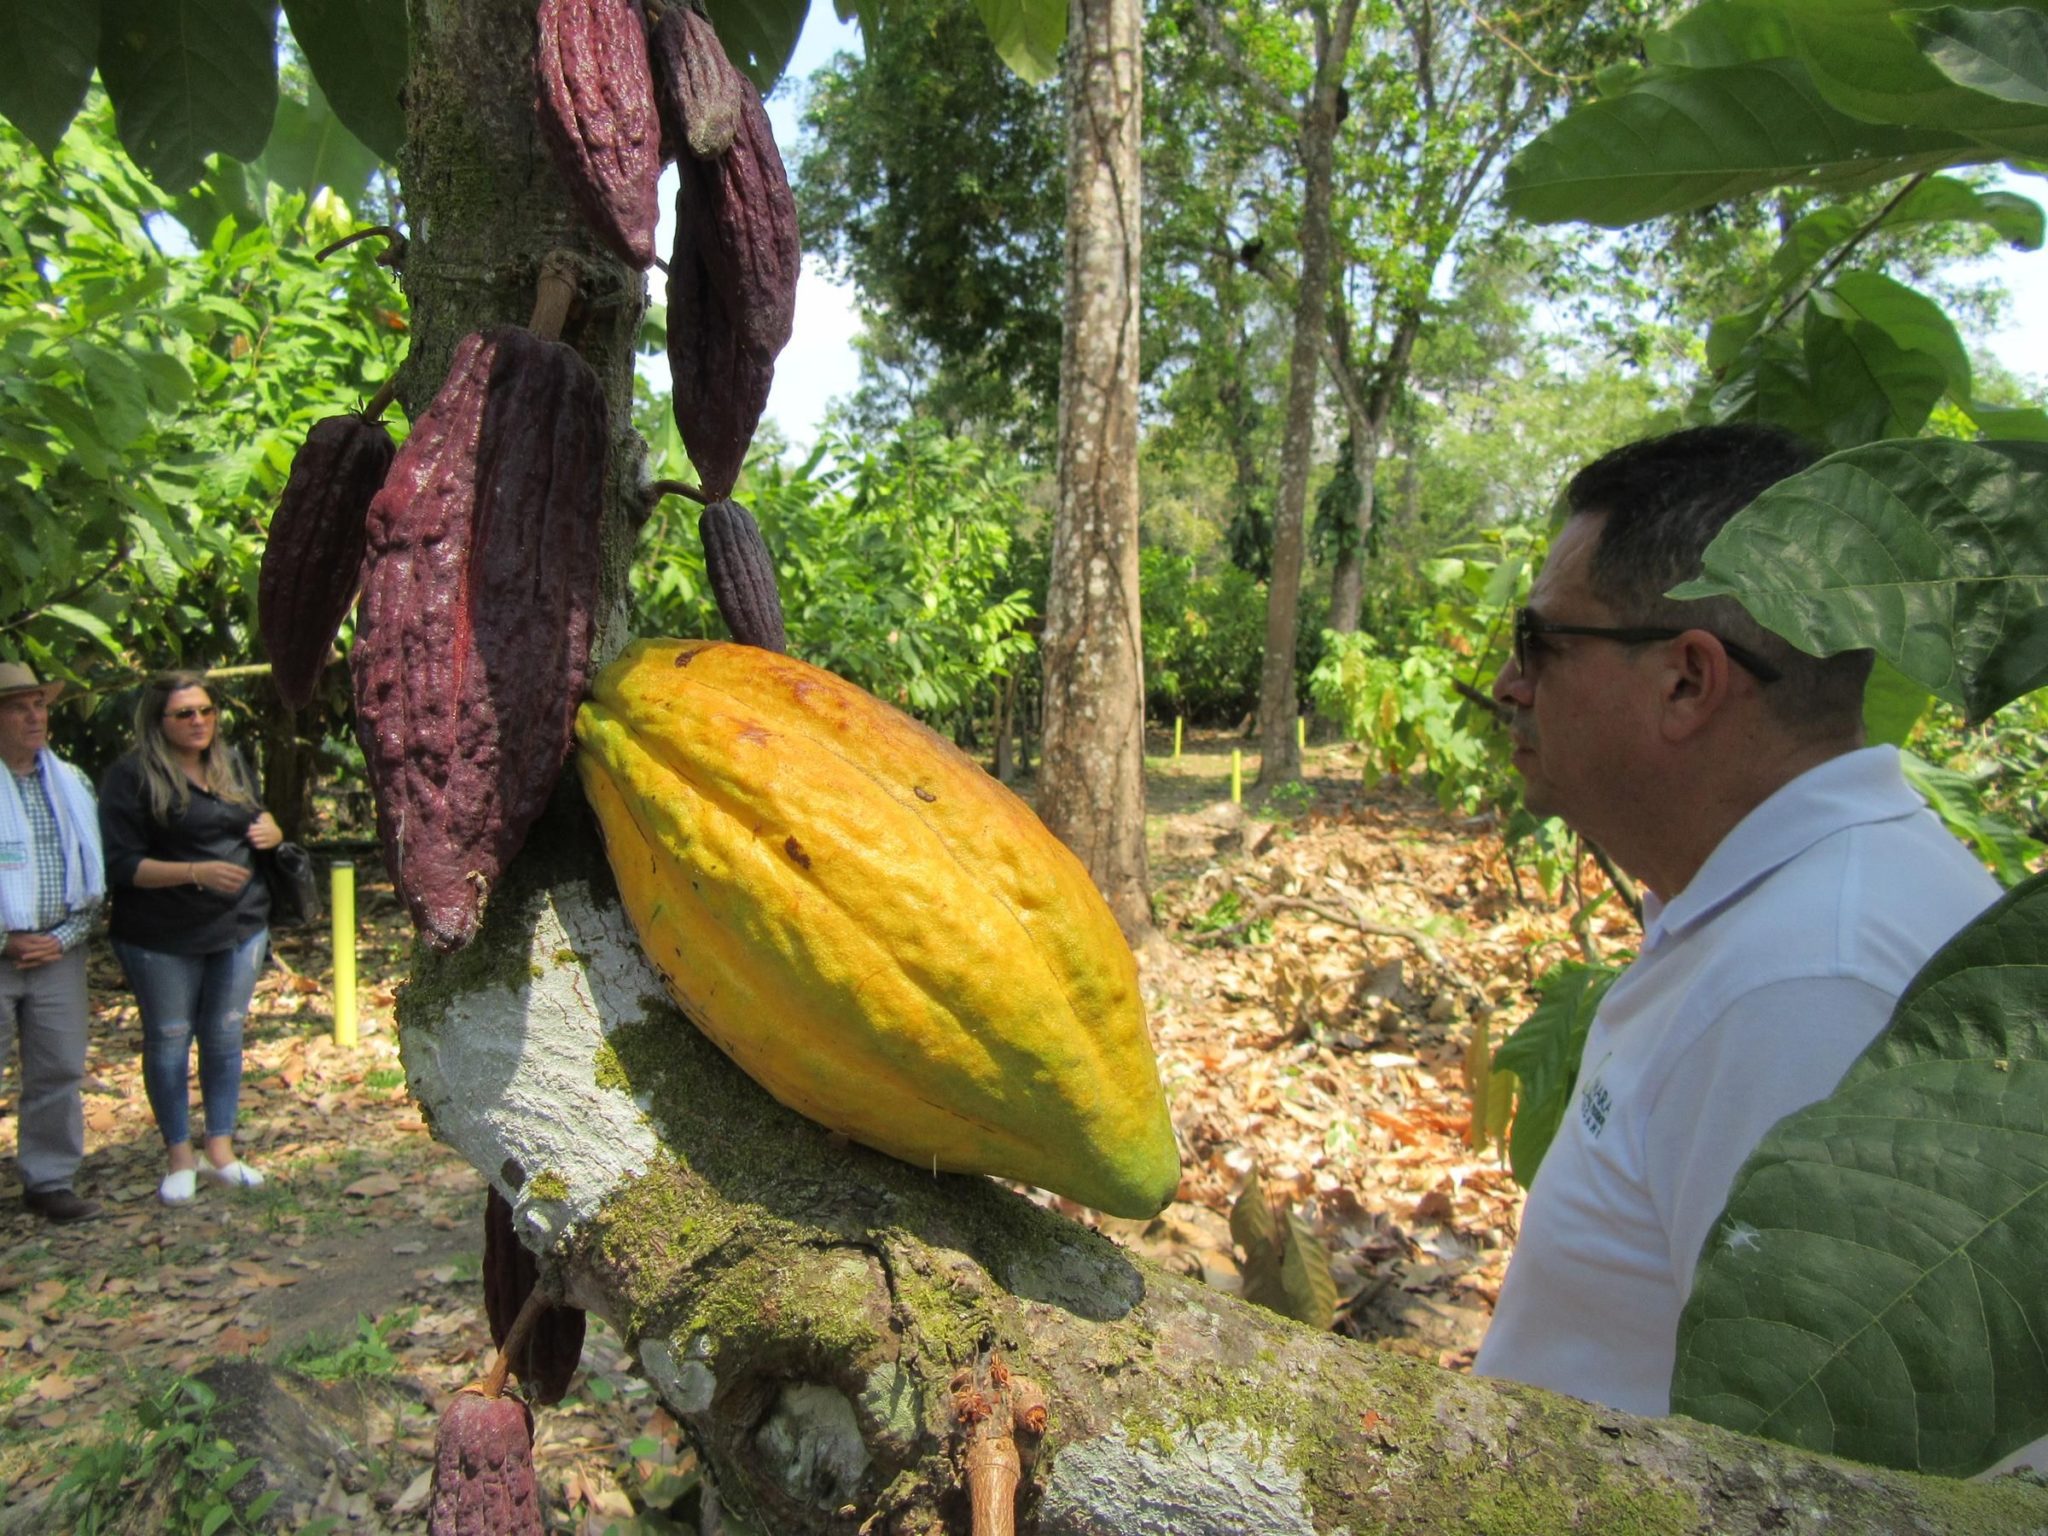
[1663,499]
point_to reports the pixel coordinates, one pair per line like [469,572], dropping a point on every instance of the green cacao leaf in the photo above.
[1873,1289]
[358,52]
[1687,138]
[1866,385]
[189,78]
[311,148]
[1027,35]
[1912,320]
[46,54]
[1934,553]
[1938,200]
[1543,1054]
[1958,799]
[1867,65]
[2019,421]
[1892,705]
[2002,53]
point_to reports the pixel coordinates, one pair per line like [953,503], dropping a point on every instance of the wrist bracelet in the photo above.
[193,871]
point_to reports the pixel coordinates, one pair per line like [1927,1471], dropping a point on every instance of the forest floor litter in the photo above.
[1324,963]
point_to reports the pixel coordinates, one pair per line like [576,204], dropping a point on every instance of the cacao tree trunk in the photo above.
[803,1306]
[1091,783]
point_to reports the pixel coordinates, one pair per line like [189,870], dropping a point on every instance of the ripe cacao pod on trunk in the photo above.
[880,933]
[313,556]
[479,599]
[731,294]
[698,91]
[483,1469]
[742,575]
[546,1363]
[594,98]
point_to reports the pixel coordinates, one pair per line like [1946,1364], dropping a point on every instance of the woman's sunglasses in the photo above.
[192,712]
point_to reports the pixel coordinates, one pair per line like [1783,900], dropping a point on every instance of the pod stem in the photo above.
[536,1302]
[392,255]
[660,488]
[553,295]
[381,401]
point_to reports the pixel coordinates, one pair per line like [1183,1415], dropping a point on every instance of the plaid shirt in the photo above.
[53,917]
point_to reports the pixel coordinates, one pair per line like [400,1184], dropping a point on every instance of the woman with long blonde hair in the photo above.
[181,825]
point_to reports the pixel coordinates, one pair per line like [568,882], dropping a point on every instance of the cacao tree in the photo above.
[832,1327]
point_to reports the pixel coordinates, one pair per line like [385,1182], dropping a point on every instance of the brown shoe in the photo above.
[59,1205]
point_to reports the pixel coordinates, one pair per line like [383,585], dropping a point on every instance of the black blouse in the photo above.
[177,919]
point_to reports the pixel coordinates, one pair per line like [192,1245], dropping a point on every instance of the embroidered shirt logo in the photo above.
[1594,1103]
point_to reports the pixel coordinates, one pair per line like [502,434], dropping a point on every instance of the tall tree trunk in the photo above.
[1279,753]
[1091,783]
[1347,582]
[1368,406]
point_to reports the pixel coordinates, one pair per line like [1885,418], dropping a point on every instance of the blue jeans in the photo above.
[183,997]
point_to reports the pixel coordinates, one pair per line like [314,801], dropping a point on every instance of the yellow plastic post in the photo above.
[1236,776]
[343,906]
[1301,732]
[1176,738]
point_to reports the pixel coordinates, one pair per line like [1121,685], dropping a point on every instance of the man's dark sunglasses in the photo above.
[1530,630]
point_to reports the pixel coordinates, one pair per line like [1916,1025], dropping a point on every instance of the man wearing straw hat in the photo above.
[51,880]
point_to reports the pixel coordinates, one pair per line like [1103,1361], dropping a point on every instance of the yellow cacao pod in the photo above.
[879,933]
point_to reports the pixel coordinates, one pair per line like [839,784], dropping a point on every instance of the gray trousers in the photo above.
[45,1008]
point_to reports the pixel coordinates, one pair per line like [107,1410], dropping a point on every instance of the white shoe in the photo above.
[235,1175]
[179,1186]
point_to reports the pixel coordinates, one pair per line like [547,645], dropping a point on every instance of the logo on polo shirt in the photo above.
[1594,1103]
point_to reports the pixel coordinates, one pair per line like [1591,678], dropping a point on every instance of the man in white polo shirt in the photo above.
[1796,885]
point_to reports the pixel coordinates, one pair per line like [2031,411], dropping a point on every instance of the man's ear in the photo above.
[1697,681]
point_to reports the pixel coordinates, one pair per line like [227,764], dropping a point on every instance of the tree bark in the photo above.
[1279,752]
[802,1306]
[1091,784]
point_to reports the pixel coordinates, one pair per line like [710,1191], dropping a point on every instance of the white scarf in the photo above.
[78,828]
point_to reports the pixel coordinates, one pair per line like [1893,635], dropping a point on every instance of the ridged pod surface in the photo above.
[313,555]
[742,575]
[698,91]
[479,599]
[594,97]
[483,1469]
[731,293]
[877,931]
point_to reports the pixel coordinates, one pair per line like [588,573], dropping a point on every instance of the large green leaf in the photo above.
[1865,384]
[46,54]
[2001,53]
[1874,1288]
[1912,320]
[1027,34]
[759,35]
[1934,553]
[190,78]
[1686,138]
[357,50]
[1867,65]
[310,148]
[1938,200]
